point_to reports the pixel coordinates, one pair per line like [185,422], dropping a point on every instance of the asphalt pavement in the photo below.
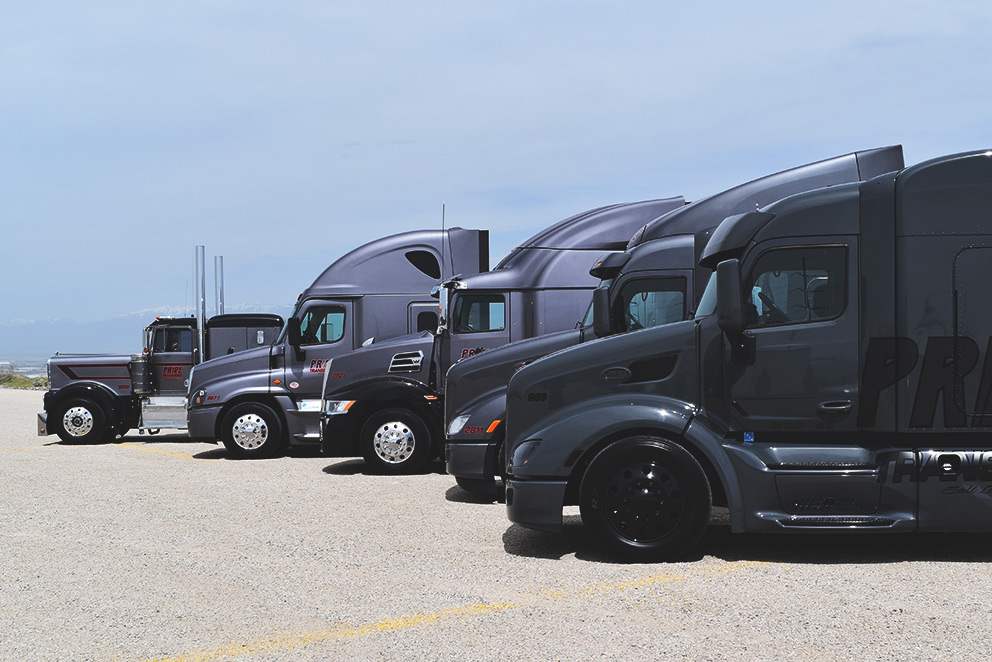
[159,548]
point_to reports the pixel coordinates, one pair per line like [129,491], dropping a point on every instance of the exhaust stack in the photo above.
[219,284]
[201,305]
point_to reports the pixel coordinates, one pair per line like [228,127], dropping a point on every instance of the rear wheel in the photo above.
[80,421]
[252,430]
[646,499]
[396,441]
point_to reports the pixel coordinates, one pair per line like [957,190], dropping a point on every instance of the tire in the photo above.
[80,421]
[645,499]
[252,430]
[396,441]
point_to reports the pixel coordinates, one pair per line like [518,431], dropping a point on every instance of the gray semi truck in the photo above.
[837,377]
[95,397]
[657,280]
[388,399]
[257,401]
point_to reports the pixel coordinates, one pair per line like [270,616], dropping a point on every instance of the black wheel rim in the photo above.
[644,501]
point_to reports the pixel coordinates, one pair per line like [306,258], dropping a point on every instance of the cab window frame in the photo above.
[494,298]
[306,315]
[841,267]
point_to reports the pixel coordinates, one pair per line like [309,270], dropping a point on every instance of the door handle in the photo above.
[834,406]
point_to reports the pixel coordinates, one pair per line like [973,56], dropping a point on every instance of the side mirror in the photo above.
[294,333]
[729,298]
[601,324]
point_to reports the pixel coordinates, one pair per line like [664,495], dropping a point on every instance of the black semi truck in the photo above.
[656,281]
[388,398]
[837,377]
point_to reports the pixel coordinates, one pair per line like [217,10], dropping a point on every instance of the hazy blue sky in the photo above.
[282,135]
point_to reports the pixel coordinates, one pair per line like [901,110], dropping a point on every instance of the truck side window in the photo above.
[173,340]
[647,302]
[479,313]
[322,324]
[797,285]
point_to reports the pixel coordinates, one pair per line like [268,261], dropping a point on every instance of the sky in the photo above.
[282,135]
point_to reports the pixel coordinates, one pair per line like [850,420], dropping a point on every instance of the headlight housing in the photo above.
[334,407]
[455,426]
[198,398]
[523,453]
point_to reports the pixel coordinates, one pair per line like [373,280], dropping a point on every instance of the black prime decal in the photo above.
[947,360]
[942,465]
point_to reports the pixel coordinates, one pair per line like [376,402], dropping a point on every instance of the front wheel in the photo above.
[252,430]
[396,441]
[646,499]
[80,421]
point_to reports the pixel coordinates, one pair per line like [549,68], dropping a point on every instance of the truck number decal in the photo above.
[318,365]
[172,372]
[537,397]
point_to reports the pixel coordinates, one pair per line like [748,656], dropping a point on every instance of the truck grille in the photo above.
[406,362]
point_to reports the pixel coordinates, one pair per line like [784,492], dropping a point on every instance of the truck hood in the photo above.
[660,359]
[479,377]
[225,366]
[405,356]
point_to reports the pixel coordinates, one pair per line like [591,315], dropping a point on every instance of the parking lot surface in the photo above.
[158,548]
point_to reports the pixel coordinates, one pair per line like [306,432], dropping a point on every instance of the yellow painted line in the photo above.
[159,450]
[13,450]
[289,641]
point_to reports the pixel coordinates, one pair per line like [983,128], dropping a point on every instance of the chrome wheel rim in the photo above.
[394,442]
[77,421]
[250,431]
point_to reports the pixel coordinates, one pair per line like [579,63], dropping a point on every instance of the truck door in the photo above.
[478,323]
[171,359]
[326,330]
[802,372]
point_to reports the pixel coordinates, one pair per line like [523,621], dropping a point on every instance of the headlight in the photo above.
[455,426]
[523,452]
[198,398]
[332,407]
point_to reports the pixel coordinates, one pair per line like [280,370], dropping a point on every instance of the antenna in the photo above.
[443,241]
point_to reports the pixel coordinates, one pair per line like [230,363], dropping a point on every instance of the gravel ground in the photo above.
[160,548]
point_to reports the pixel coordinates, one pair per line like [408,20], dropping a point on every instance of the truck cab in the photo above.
[94,397]
[836,378]
[257,402]
[388,399]
[657,280]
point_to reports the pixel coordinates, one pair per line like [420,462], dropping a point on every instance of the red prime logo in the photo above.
[172,372]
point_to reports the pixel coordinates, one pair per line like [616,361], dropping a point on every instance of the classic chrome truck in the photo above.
[95,397]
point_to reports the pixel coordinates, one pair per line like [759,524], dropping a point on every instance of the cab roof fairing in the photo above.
[811,213]
[381,266]
[709,212]
[603,228]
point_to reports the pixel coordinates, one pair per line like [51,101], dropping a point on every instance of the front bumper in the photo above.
[536,504]
[201,423]
[336,431]
[469,460]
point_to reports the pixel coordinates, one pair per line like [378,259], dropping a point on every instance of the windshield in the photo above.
[707,304]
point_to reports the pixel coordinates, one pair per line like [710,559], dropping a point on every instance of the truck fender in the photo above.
[579,431]
[114,405]
[374,396]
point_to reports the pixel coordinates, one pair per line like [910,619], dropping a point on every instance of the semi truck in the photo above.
[657,280]
[95,397]
[837,377]
[256,402]
[388,399]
